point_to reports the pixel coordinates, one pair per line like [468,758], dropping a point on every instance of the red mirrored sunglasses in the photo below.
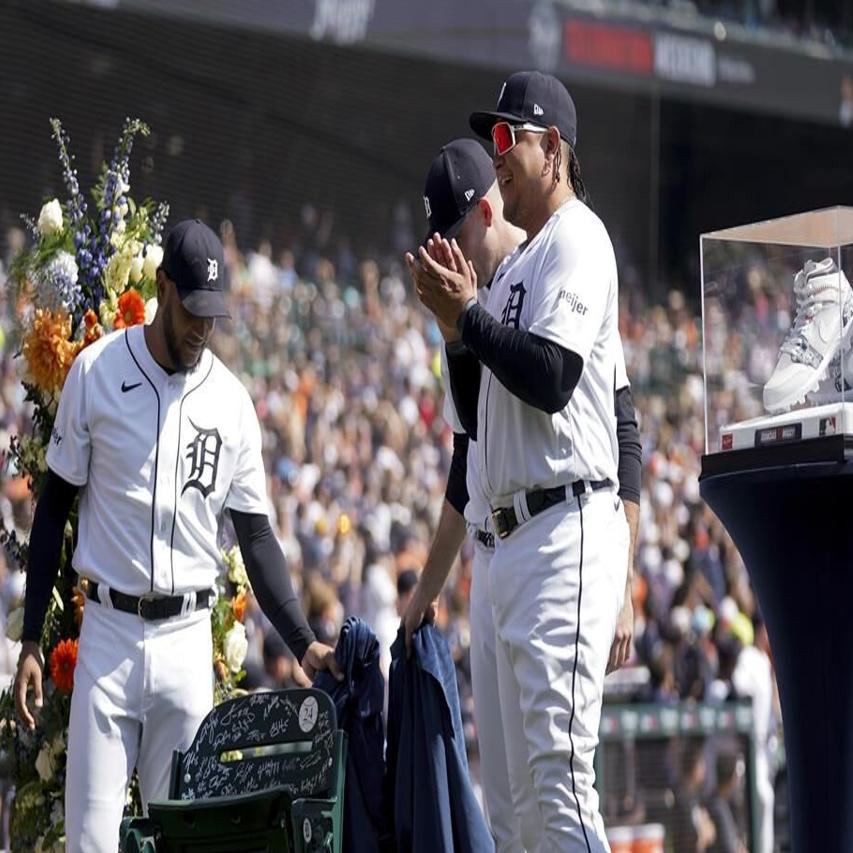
[503,135]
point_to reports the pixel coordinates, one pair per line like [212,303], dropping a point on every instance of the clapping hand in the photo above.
[445,281]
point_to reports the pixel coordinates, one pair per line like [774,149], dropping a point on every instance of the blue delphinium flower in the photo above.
[158,222]
[76,201]
[76,206]
[114,204]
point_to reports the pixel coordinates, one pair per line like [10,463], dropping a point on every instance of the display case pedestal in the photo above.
[793,526]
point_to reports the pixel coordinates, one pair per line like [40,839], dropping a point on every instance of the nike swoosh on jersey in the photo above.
[125,387]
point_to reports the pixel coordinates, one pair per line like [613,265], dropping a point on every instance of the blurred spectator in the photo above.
[722,808]
[278,662]
[406,582]
[753,678]
[845,110]
[323,609]
[693,828]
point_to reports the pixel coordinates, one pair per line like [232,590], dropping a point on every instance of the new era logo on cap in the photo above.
[537,110]
[469,194]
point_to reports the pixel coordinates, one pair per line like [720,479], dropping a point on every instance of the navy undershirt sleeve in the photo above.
[464,369]
[270,579]
[630,448]
[45,549]
[457,488]
[540,372]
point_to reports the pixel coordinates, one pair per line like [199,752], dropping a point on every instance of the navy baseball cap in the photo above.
[459,176]
[193,259]
[531,96]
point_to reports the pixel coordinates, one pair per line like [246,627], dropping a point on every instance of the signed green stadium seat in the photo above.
[265,773]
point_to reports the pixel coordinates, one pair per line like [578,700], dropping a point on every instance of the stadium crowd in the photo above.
[825,23]
[343,366]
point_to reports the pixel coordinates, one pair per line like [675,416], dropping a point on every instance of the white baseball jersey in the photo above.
[562,286]
[158,457]
[477,509]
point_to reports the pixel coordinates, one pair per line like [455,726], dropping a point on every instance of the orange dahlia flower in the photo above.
[94,330]
[238,605]
[47,350]
[63,660]
[131,310]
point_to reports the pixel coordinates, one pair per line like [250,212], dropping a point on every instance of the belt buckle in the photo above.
[501,529]
[140,601]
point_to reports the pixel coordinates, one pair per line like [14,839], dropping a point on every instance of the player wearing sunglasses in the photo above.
[542,360]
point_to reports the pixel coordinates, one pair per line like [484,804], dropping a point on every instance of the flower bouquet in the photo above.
[91,268]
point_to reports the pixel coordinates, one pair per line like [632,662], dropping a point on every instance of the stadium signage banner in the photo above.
[689,64]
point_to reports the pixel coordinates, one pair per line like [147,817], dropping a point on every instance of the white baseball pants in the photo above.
[487,710]
[557,586]
[141,690]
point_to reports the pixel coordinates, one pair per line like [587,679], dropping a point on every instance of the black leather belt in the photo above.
[151,607]
[485,538]
[505,520]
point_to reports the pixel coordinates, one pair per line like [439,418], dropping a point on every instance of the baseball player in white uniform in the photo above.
[159,438]
[462,200]
[541,359]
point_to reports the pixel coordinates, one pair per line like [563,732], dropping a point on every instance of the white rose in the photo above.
[15,624]
[150,310]
[236,646]
[44,762]
[50,218]
[153,259]
[136,268]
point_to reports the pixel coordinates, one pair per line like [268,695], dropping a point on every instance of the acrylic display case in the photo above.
[777,316]
[778,472]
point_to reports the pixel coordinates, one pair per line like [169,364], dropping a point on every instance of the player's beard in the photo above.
[173,348]
[510,205]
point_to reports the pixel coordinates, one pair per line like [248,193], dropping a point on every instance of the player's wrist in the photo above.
[460,320]
[31,648]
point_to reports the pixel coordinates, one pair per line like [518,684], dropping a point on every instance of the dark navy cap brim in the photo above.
[483,122]
[204,303]
[451,232]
